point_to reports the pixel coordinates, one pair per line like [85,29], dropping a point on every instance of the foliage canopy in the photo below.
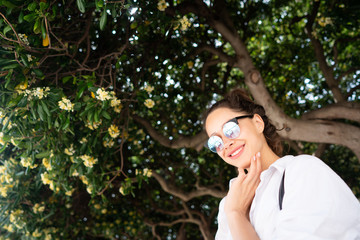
[101,105]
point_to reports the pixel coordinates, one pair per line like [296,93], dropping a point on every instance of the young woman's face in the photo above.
[239,151]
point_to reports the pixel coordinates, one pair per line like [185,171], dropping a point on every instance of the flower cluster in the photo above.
[184,23]
[6,179]
[27,162]
[149,89]
[2,142]
[93,125]
[116,104]
[6,121]
[38,208]
[323,21]
[88,160]
[24,38]
[47,164]
[149,103]
[114,131]
[145,172]
[108,143]
[38,93]
[66,104]
[162,5]
[103,95]
[16,220]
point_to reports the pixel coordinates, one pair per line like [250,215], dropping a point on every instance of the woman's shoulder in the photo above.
[304,161]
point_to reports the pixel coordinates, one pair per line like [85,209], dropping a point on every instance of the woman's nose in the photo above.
[227,142]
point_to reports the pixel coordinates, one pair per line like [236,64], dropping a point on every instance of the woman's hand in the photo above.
[242,190]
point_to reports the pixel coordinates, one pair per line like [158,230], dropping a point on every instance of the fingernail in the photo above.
[254,158]
[258,154]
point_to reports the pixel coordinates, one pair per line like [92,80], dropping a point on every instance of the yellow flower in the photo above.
[162,5]
[118,108]
[121,190]
[88,160]
[104,211]
[93,125]
[114,131]
[45,178]
[27,162]
[115,102]
[70,192]
[149,88]
[38,208]
[103,95]
[66,104]
[184,23]
[46,41]
[84,179]
[324,21]
[83,140]
[36,233]
[149,103]
[190,64]
[90,189]
[108,143]
[69,151]
[147,172]
[47,164]
[97,206]
[92,94]
[75,173]
[2,142]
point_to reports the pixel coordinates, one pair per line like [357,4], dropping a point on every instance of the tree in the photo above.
[101,105]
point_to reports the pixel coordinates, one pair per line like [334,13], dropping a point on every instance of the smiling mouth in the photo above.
[236,152]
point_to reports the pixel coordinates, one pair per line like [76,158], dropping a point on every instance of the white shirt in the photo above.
[317,204]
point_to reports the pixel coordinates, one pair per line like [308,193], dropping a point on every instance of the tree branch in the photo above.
[196,142]
[186,196]
[348,110]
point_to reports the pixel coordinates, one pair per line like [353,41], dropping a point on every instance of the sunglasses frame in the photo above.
[235,120]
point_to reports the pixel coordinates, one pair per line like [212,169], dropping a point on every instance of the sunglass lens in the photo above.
[215,144]
[231,130]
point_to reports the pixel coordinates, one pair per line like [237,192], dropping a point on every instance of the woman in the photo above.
[316,205]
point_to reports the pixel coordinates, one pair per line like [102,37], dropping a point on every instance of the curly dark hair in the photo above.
[239,101]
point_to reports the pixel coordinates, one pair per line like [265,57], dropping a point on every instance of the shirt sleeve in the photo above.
[317,204]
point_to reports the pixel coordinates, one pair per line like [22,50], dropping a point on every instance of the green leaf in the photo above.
[24,60]
[66,79]
[103,19]
[11,66]
[21,17]
[41,112]
[67,123]
[43,6]
[30,17]
[43,154]
[6,29]
[37,26]
[43,30]
[81,5]
[8,4]
[32,6]
[46,109]
[106,115]
[38,73]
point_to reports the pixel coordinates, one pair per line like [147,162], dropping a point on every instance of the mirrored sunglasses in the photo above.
[230,129]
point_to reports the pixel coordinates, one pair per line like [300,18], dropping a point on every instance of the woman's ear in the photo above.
[259,123]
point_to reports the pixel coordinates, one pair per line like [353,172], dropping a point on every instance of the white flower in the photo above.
[114,131]
[66,104]
[162,5]
[149,103]
[103,95]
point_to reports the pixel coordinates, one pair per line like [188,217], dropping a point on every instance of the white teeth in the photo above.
[236,152]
